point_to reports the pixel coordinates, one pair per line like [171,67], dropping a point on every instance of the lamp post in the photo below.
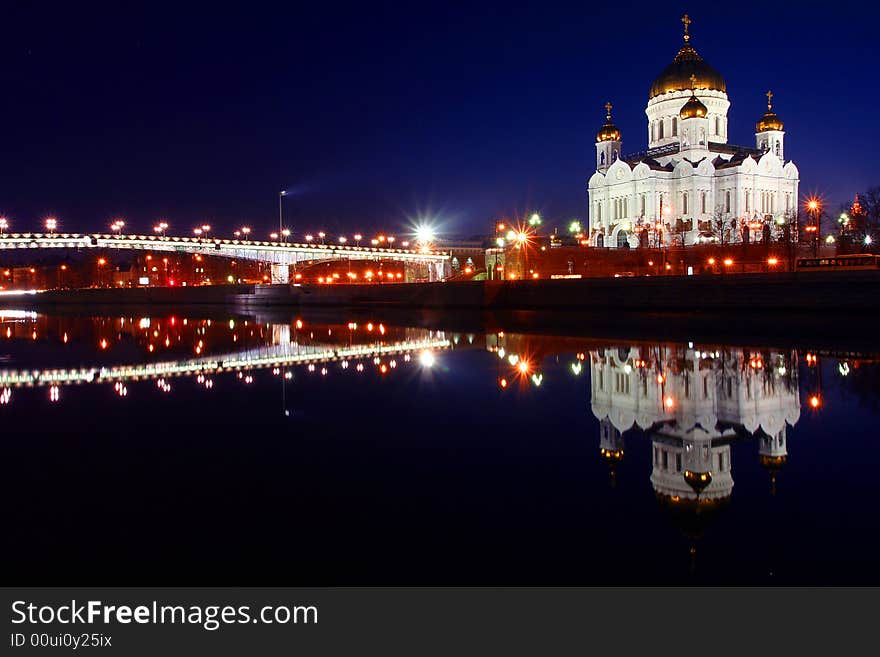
[117,226]
[814,207]
[160,228]
[4,224]
[281,196]
[51,225]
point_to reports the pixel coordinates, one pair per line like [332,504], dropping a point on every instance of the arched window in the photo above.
[748,205]
[660,129]
[703,202]
[642,213]
[614,156]
[777,149]
[674,126]
[602,159]
[625,208]
[653,131]
[727,201]
[717,126]
[702,136]
[684,203]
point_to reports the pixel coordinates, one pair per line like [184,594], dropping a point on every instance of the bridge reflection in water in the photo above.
[686,410]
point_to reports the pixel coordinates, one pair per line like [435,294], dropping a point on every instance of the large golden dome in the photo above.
[770,121]
[687,63]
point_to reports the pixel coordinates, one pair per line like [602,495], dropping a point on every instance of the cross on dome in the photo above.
[687,23]
[769,100]
[608,110]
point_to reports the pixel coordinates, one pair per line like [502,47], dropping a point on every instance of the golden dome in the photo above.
[687,63]
[609,131]
[693,108]
[770,121]
[611,455]
[697,480]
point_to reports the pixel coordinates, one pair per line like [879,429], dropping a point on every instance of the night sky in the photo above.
[375,114]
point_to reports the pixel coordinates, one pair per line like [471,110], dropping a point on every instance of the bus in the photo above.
[854,262]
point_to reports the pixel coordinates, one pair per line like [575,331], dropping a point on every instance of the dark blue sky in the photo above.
[376,112]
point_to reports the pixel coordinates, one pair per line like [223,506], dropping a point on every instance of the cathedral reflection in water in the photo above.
[693,404]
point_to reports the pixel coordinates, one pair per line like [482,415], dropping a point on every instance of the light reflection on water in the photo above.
[452,418]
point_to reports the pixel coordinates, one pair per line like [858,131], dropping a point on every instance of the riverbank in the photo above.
[851,293]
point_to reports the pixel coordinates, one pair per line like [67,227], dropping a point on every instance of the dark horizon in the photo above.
[375,116]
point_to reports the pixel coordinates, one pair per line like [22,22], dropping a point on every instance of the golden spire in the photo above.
[769,100]
[608,111]
[687,23]
[693,83]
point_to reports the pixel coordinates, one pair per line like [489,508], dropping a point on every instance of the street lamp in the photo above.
[160,228]
[117,226]
[343,240]
[51,224]
[285,233]
[357,238]
[273,237]
[391,239]
[4,224]
[322,235]
[197,232]
[309,238]
[206,228]
[814,207]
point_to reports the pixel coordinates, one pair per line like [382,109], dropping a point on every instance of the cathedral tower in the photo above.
[694,126]
[607,143]
[769,132]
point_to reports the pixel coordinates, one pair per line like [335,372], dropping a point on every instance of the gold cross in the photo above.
[687,23]
[769,100]
[693,82]
[608,110]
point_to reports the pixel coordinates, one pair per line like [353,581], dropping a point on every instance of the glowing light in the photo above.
[424,234]
[537,379]
[728,262]
[575,227]
[772,261]
[523,367]
[669,402]
[576,368]
[426,359]
[815,402]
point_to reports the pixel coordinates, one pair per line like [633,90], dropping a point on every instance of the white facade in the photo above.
[690,185]
[693,403]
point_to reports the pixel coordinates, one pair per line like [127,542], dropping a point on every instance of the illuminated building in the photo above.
[693,404]
[690,186]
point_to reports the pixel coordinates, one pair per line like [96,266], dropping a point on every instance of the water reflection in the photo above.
[692,404]
[409,414]
[203,348]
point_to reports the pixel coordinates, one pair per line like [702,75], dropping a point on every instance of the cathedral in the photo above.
[691,186]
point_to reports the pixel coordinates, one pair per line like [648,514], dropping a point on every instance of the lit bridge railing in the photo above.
[275,252]
[286,355]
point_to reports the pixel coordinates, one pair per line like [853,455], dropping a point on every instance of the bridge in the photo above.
[275,356]
[281,255]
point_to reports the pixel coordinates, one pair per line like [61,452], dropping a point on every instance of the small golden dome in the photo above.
[697,480]
[693,109]
[687,63]
[773,463]
[770,121]
[609,131]
[611,455]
